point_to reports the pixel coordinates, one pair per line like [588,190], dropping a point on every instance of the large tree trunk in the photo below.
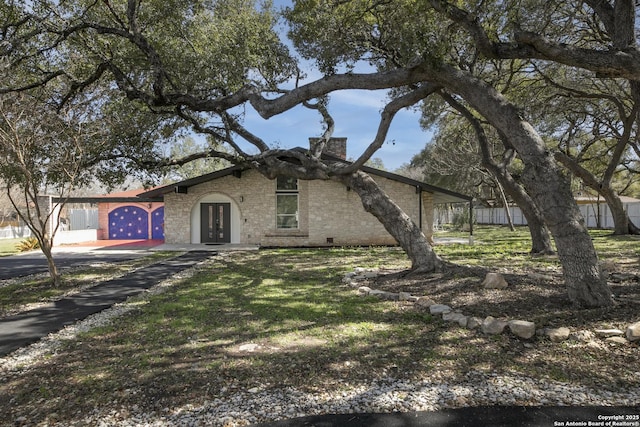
[545,183]
[586,285]
[621,223]
[395,221]
[540,238]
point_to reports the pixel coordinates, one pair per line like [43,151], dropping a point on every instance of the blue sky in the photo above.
[356,113]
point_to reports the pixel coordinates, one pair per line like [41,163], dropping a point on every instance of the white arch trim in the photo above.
[215,198]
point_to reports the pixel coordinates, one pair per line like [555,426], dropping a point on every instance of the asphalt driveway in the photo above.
[28,327]
[34,262]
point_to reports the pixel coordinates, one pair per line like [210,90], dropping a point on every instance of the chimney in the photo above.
[335,146]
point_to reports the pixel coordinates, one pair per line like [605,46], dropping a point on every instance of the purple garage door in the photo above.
[128,223]
[157,223]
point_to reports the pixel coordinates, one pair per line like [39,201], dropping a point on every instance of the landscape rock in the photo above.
[364,290]
[474,322]
[250,348]
[493,326]
[425,302]
[455,316]
[406,296]
[558,334]
[494,281]
[582,336]
[439,309]
[633,332]
[391,296]
[522,328]
[608,265]
[606,333]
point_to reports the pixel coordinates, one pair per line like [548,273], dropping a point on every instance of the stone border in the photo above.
[522,329]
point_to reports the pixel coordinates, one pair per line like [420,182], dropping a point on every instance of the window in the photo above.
[286,202]
[286,184]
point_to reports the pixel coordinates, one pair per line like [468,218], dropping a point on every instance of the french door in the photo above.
[215,223]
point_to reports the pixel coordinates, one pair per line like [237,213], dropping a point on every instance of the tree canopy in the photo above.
[199,64]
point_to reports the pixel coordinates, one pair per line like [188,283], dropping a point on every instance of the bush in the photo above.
[28,244]
[460,220]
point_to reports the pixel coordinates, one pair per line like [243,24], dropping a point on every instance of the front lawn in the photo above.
[278,321]
[23,293]
[8,246]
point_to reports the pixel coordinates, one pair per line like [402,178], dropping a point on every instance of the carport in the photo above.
[121,216]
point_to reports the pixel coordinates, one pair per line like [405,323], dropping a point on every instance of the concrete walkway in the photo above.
[28,327]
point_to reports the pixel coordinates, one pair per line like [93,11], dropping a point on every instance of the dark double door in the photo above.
[215,223]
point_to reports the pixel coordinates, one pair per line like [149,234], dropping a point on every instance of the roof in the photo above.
[440,195]
[130,196]
[128,193]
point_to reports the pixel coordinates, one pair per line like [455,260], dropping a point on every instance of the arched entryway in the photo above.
[215,219]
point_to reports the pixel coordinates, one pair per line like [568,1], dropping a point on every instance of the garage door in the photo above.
[128,222]
[157,223]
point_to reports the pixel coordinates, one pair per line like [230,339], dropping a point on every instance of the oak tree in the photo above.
[204,62]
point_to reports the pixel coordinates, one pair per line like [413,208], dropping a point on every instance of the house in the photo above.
[125,216]
[239,205]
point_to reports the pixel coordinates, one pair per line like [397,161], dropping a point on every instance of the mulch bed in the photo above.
[538,296]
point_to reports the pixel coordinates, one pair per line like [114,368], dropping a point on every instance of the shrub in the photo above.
[460,219]
[28,244]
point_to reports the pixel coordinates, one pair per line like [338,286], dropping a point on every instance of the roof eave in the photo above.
[449,196]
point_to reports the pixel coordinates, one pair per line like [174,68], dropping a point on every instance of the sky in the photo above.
[356,115]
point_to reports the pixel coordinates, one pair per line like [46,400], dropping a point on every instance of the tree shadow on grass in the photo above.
[191,345]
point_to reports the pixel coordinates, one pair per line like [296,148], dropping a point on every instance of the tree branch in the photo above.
[386,118]
[622,62]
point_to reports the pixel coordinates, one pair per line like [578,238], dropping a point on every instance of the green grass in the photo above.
[294,314]
[38,289]
[493,247]
[499,247]
[8,246]
[189,344]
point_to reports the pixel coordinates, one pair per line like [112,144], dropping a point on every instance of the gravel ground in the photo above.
[385,395]
[262,404]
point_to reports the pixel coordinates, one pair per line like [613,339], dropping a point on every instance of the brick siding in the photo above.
[327,211]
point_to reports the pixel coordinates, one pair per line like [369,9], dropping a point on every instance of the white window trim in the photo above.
[296,193]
